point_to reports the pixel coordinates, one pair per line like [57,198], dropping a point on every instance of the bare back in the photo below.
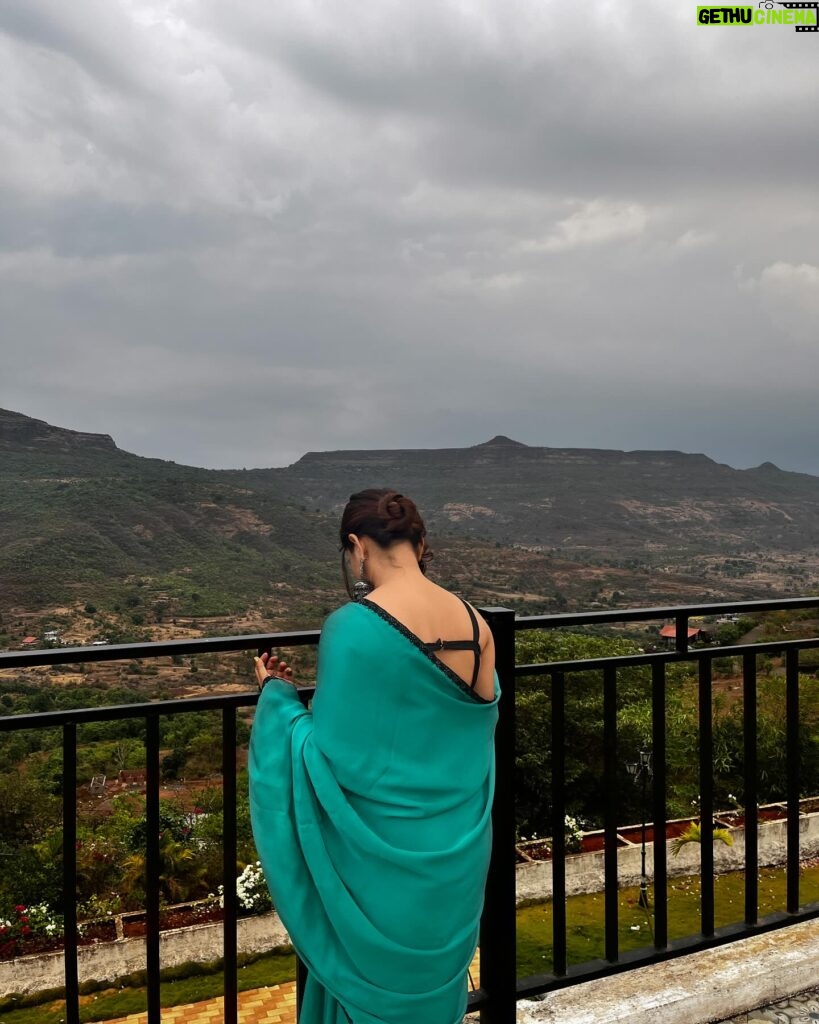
[433,614]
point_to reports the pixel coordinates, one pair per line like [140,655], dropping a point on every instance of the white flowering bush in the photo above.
[44,921]
[23,924]
[251,891]
[574,833]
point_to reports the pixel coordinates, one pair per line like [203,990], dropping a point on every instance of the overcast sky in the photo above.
[233,232]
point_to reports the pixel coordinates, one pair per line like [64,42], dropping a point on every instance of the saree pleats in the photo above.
[371,815]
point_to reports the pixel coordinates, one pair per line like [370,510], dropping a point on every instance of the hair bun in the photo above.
[397,510]
[387,517]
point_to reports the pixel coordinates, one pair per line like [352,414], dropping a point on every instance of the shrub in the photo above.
[251,891]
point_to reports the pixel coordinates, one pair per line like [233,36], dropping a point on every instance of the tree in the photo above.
[583,730]
[583,736]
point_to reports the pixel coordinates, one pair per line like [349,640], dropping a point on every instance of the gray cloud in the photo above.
[233,233]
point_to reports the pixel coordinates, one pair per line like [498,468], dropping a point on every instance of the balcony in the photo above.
[500,988]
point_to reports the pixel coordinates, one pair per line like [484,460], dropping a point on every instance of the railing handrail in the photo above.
[307,637]
[664,657]
[157,648]
[115,712]
[299,638]
[660,612]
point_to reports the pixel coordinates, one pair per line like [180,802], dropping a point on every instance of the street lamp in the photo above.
[641,771]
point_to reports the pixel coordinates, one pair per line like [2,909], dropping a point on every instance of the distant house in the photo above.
[132,776]
[29,641]
[51,636]
[669,633]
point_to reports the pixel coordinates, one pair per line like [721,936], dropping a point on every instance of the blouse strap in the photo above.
[475,641]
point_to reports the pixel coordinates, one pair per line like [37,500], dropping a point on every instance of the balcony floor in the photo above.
[277,1005]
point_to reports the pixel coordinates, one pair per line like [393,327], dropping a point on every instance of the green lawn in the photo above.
[534,944]
[584,916]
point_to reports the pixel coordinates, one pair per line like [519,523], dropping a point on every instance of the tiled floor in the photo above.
[802,1009]
[274,1005]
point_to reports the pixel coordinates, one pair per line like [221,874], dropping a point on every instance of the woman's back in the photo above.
[431,613]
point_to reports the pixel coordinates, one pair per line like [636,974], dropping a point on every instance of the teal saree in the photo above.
[371,815]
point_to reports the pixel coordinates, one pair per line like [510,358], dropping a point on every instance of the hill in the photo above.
[81,519]
[85,523]
[582,500]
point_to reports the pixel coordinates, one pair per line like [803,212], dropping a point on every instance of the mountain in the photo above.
[79,518]
[83,521]
[581,500]
[26,434]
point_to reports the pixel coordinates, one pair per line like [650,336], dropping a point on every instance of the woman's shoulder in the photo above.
[343,618]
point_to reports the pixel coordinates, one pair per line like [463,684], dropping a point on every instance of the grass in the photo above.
[196,982]
[584,915]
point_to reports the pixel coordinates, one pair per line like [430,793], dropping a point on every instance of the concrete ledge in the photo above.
[711,985]
[585,871]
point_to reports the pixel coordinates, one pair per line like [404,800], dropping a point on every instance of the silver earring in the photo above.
[361,587]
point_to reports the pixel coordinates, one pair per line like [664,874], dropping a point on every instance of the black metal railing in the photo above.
[499,986]
[150,713]
[703,657]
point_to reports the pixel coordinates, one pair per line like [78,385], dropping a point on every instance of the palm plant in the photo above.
[693,834]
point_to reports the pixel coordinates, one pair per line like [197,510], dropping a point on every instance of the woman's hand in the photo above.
[269,665]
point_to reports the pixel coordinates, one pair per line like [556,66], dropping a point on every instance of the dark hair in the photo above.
[385,516]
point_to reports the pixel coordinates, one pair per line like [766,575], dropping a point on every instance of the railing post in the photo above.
[229,864]
[681,633]
[72,990]
[706,756]
[793,754]
[610,815]
[559,953]
[658,744]
[751,799]
[497,938]
[152,867]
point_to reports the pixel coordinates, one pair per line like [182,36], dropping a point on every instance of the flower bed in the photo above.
[673,830]
[631,835]
[541,849]
[183,916]
[37,930]
[733,819]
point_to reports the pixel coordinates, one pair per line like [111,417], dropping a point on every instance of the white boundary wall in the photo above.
[584,871]
[105,961]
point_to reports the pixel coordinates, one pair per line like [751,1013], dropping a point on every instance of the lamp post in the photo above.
[641,771]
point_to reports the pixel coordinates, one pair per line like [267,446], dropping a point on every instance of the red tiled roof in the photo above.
[672,631]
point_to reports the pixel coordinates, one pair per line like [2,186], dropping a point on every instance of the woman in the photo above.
[371,813]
